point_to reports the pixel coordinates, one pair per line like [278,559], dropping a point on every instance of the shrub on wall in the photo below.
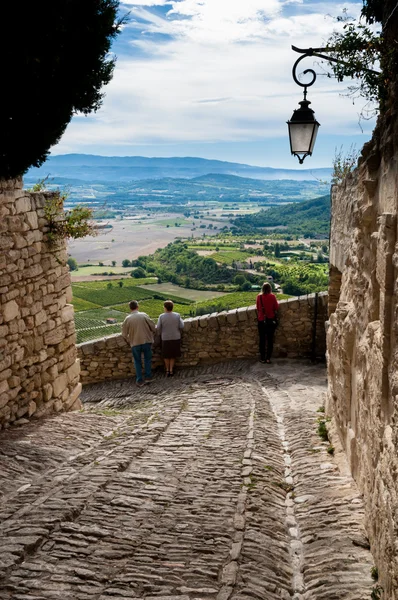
[55,60]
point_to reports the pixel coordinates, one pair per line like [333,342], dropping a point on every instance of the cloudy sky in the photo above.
[212,78]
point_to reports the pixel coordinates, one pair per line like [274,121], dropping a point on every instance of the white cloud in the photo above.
[222,74]
[145,2]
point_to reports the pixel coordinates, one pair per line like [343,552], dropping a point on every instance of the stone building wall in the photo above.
[39,370]
[217,337]
[362,336]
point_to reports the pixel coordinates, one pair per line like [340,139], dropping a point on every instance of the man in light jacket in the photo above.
[138,331]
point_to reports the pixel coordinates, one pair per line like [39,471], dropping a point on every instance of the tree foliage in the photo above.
[366,56]
[72,264]
[74,223]
[55,60]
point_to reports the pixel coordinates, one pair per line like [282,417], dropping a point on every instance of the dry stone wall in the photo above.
[362,336]
[218,337]
[39,369]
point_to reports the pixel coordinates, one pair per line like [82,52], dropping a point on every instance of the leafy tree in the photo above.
[61,54]
[101,264]
[72,263]
[120,284]
[277,250]
[126,262]
[239,279]
[246,286]
[109,285]
[113,263]
[138,273]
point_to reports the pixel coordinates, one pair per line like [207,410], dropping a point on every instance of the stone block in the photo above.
[33,271]
[47,392]
[10,311]
[204,321]
[213,321]
[23,205]
[232,317]
[40,317]
[242,314]
[187,325]
[73,371]
[62,282]
[60,384]
[55,336]
[32,408]
[31,219]
[86,348]
[73,399]
[4,386]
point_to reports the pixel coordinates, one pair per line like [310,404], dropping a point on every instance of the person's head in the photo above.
[133,305]
[267,289]
[168,305]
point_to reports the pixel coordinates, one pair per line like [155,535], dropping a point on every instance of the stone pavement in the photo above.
[211,485]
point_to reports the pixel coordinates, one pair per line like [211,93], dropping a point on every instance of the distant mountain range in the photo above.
[92,168]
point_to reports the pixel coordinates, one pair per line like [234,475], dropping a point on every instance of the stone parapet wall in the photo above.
[363,332]
[39,369]
[217,337]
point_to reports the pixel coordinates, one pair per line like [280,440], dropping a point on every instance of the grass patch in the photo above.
[172,222]
[171,291]
[109,296]
[154,308]
[97,270]
[79,304]
[102,284]
[227,258]
[322,430]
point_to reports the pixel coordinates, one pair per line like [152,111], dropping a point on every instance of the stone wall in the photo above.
[218,337]
[39,370]
[362,336]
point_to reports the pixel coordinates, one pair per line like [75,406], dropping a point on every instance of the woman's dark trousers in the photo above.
[266,331]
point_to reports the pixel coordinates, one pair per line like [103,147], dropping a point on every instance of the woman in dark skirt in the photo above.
[169,328]
[267,314]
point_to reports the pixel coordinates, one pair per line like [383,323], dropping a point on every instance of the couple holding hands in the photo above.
[139,331]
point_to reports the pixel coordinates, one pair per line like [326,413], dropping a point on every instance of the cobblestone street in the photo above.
[212,484]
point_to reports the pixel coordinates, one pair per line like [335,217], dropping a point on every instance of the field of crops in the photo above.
[302,270]
[231,301]
[86,335]
[212,247]
[172,291]
[103,284]
[154,308]
[227,258]
[109,296]
[98,270]
[79,304]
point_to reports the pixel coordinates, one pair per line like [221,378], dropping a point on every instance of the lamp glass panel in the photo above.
[316,127]
[301,137]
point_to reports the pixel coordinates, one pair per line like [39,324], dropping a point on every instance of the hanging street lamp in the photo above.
[303,126]
[303,129]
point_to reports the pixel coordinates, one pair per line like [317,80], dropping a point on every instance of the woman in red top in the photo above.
[267,307]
